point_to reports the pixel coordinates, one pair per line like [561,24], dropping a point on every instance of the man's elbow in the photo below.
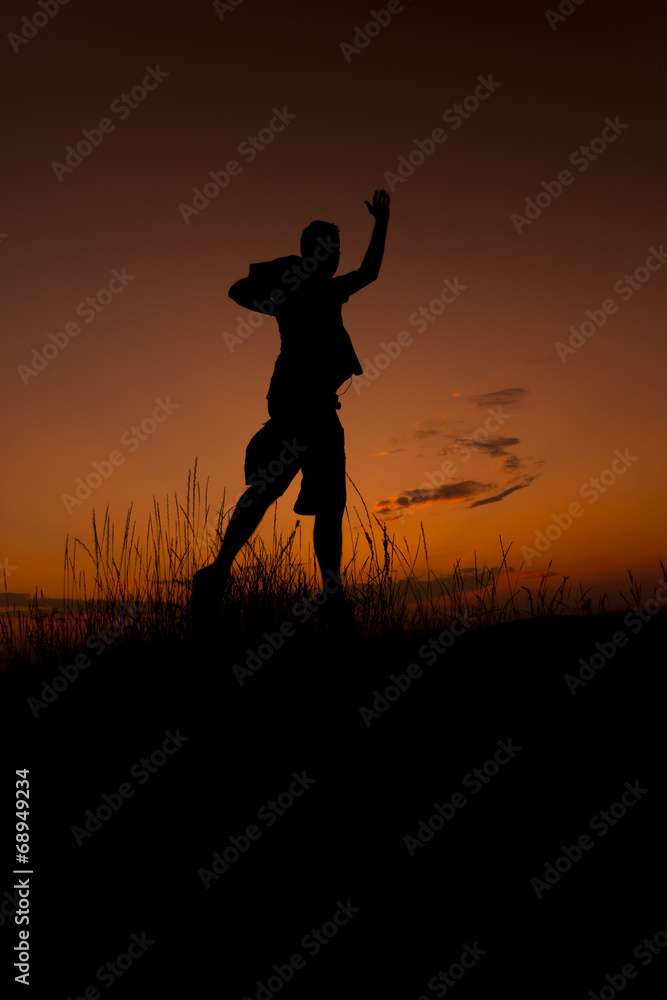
[368,274]
[239,293]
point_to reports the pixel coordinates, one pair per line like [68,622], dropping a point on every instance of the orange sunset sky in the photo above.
[568,110]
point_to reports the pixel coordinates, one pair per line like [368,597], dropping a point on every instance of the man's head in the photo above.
[321,242]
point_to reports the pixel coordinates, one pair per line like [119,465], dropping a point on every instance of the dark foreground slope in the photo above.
[403,841]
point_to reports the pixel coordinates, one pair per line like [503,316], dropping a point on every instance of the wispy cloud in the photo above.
[447,493]
[512,463]
[496,447]
[395,506]
[505,493]
[502,397]
[429,428]
[438,432]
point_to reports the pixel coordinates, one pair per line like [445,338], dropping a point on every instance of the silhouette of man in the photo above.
[303,432]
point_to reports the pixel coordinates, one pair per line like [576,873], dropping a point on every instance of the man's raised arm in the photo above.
[370,266]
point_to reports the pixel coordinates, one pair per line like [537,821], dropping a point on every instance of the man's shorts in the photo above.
[315,446]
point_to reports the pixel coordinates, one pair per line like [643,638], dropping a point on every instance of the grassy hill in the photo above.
[358,812]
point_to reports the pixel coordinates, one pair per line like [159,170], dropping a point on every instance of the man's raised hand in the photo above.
[380,207]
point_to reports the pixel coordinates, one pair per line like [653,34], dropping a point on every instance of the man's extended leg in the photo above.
[208,584]
[266,450]
[249,511]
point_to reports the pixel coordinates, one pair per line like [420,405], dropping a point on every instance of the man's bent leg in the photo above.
[328,544]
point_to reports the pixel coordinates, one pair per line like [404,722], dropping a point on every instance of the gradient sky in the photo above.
[493,348]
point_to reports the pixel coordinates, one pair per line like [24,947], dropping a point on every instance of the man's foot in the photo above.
[208,588]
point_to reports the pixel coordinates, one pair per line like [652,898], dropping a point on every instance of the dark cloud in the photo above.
[516,469]
[496,447]
[501,496]
[448,492]
[503,397]
[438,494]
[424,430]
[428,428]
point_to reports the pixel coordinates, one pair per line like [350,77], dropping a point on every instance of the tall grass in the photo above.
[140,582]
